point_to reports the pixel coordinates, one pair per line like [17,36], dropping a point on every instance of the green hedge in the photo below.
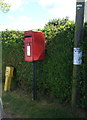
[54,75]
[13,55]
[57,68]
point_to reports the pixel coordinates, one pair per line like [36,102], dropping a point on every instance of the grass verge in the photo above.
[20,105]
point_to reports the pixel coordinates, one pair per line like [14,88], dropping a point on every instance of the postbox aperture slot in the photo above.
[28,36]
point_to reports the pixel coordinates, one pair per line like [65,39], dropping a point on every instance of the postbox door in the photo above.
[28,49]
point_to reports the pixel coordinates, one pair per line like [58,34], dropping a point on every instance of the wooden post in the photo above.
[77,54]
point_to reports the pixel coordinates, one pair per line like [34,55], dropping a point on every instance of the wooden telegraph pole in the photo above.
[77,52]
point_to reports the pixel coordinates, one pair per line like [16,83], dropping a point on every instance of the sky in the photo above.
[34,14]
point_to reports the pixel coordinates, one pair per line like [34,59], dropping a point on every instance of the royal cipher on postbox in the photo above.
[34,45]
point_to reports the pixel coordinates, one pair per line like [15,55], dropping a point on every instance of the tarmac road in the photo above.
[1,109]
[2,113]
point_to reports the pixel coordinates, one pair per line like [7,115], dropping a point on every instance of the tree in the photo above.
[58,22]
[51,28]
[4,7]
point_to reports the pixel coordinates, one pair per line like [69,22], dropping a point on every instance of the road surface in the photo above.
[1,109]
[2,113]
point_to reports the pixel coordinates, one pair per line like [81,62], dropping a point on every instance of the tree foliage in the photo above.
[56,26]
[58,22]
[4,7]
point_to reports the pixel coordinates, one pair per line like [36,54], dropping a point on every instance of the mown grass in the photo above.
[20,105]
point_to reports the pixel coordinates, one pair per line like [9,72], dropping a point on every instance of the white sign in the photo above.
[80,5]
[85,11]
[77,57]
[28,50]
[80,0]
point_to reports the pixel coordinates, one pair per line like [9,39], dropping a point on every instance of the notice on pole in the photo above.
[28,50]
[77,57]
[85,11]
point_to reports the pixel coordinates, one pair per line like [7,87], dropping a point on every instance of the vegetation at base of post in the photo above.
[54,75]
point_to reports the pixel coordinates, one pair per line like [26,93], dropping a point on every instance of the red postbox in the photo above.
[34,45]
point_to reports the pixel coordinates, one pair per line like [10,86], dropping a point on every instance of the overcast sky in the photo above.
[34,14]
